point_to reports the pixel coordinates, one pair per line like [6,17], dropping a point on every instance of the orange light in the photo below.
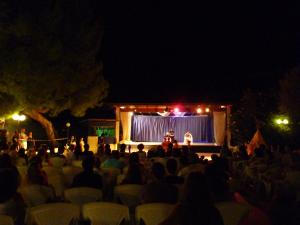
[207,110]
[122,107]
[199,110]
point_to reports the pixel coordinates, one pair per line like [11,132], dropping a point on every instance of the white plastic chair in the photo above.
[128,194]
[152,213]
[82,195]
[52,171]
[58,184]
[232,212]
[6,220]
[105,213]
[57,162]
[53,214]
[34,195]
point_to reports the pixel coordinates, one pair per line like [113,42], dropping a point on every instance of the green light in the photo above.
[279,121]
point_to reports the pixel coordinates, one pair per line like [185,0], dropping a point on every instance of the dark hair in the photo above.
[158,170]
[122,147]
[140,146]
[172,166]
[88,163]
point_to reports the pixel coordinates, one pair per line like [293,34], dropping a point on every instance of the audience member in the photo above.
[88,178]
[197,207]
[172,168]
[158,190]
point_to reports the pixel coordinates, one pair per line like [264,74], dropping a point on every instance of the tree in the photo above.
[50,58]
[289,100]
[254,111]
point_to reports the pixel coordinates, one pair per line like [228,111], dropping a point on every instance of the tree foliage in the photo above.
[51,56]
[289,101]
[254,111]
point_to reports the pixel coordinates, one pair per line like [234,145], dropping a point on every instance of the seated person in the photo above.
[88,178]
[158,190]
[141,152]
[113,161]
[188,138]
[172,167]
[171,135]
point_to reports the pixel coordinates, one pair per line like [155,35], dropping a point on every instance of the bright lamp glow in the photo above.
[278,121]
[176,110]
[22,117]
[18,117]
[207,110]
[15,117]
[285,121]
[199,110]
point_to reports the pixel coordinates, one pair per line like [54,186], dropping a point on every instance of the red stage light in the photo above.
[176,110]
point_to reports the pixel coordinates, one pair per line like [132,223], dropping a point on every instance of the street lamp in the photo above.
[18,118]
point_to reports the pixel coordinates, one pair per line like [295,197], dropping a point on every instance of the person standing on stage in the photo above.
[23,139]
[15,140]
[30,141]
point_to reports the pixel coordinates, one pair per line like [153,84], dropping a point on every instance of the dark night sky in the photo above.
[168,51]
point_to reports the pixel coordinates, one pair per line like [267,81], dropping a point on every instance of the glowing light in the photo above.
[122,107]
[285,121]
[279,121]
[176,110]
[199,110]
[207,110]
[68,124]
[18,117]
[15,117]
[48,151]
[55,150]
[130,113]
[223,106]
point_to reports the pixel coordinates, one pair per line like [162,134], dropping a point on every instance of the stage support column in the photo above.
[117,128]
[228,131]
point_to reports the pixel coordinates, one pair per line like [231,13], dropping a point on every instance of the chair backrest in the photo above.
[52,171]
[57,162]
[128,194]
[82,195]
[53,213]
[105,213]
[58,184]
[34,195]
[152,213]
[232,212]
[6,220]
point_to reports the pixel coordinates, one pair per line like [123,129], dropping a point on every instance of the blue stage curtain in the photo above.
[153,128]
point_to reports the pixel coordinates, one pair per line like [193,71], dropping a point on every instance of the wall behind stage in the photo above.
[153,128]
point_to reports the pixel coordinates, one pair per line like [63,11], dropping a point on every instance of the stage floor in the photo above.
[208,148]
[159,143]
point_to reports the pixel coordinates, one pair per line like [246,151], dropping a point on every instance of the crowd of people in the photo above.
[177,175]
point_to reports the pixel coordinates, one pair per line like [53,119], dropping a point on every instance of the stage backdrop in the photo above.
[153,128]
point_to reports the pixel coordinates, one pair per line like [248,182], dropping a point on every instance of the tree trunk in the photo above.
[47,125]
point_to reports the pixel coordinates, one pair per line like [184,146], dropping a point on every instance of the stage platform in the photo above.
[198,147]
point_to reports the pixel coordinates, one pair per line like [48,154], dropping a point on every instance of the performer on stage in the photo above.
[188,138]
[172,135]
